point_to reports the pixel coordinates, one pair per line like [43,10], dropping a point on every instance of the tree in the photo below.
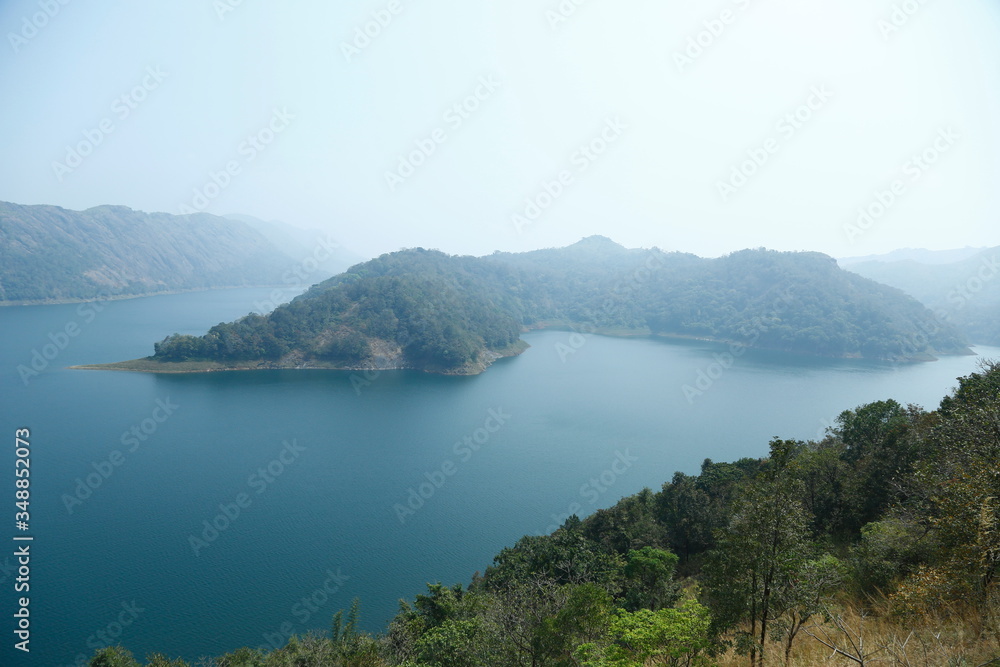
[564,557]
[451,644]
[521,613]
[814,580]
[752,571]
[629,524]
[961,485]
[676,637]
[113,656]
[880,455]
[244,657]
[584,617]
[649,579]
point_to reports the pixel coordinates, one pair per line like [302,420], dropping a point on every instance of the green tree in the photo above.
[752,571]
[584,617]
[243,657]
[649,579]
[960,483]
[880,454]
[676,637]
[811,584]
[113,656]
[453,643]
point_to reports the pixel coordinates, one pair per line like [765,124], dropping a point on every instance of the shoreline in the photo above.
[148,365]
[646,333]
[487,357]
[126,297]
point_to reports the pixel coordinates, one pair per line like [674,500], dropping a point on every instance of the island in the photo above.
[425,310]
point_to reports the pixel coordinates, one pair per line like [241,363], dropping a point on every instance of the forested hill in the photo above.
[49,253]
[427,310]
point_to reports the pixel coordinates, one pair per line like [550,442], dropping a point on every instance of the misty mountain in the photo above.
[300,244]
[921,255]
[48,253]
[964,293]
[424,309]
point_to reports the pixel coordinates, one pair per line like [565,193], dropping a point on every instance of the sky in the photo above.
[850,127]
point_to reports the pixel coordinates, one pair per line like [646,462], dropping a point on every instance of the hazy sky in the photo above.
[703,126]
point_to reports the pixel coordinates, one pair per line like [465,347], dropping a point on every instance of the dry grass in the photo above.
[953,639]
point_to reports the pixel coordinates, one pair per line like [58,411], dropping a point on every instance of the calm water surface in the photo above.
[370,489]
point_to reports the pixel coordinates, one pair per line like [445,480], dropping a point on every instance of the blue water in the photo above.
[323,464]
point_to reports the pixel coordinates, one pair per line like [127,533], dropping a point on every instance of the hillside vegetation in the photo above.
[879,544]
[427,310]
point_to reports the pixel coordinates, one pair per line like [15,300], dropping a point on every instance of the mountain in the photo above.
[426,310]
[300,244]
[964,293]
[48,253]
[920,255]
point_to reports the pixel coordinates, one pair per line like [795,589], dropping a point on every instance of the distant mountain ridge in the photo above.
[964,293]
[300,243]
[423,309]
[48,253]
[921,255]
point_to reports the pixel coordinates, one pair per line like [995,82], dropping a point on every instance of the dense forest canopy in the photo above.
[424,309]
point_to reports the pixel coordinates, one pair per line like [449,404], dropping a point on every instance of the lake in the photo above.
[193,514]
